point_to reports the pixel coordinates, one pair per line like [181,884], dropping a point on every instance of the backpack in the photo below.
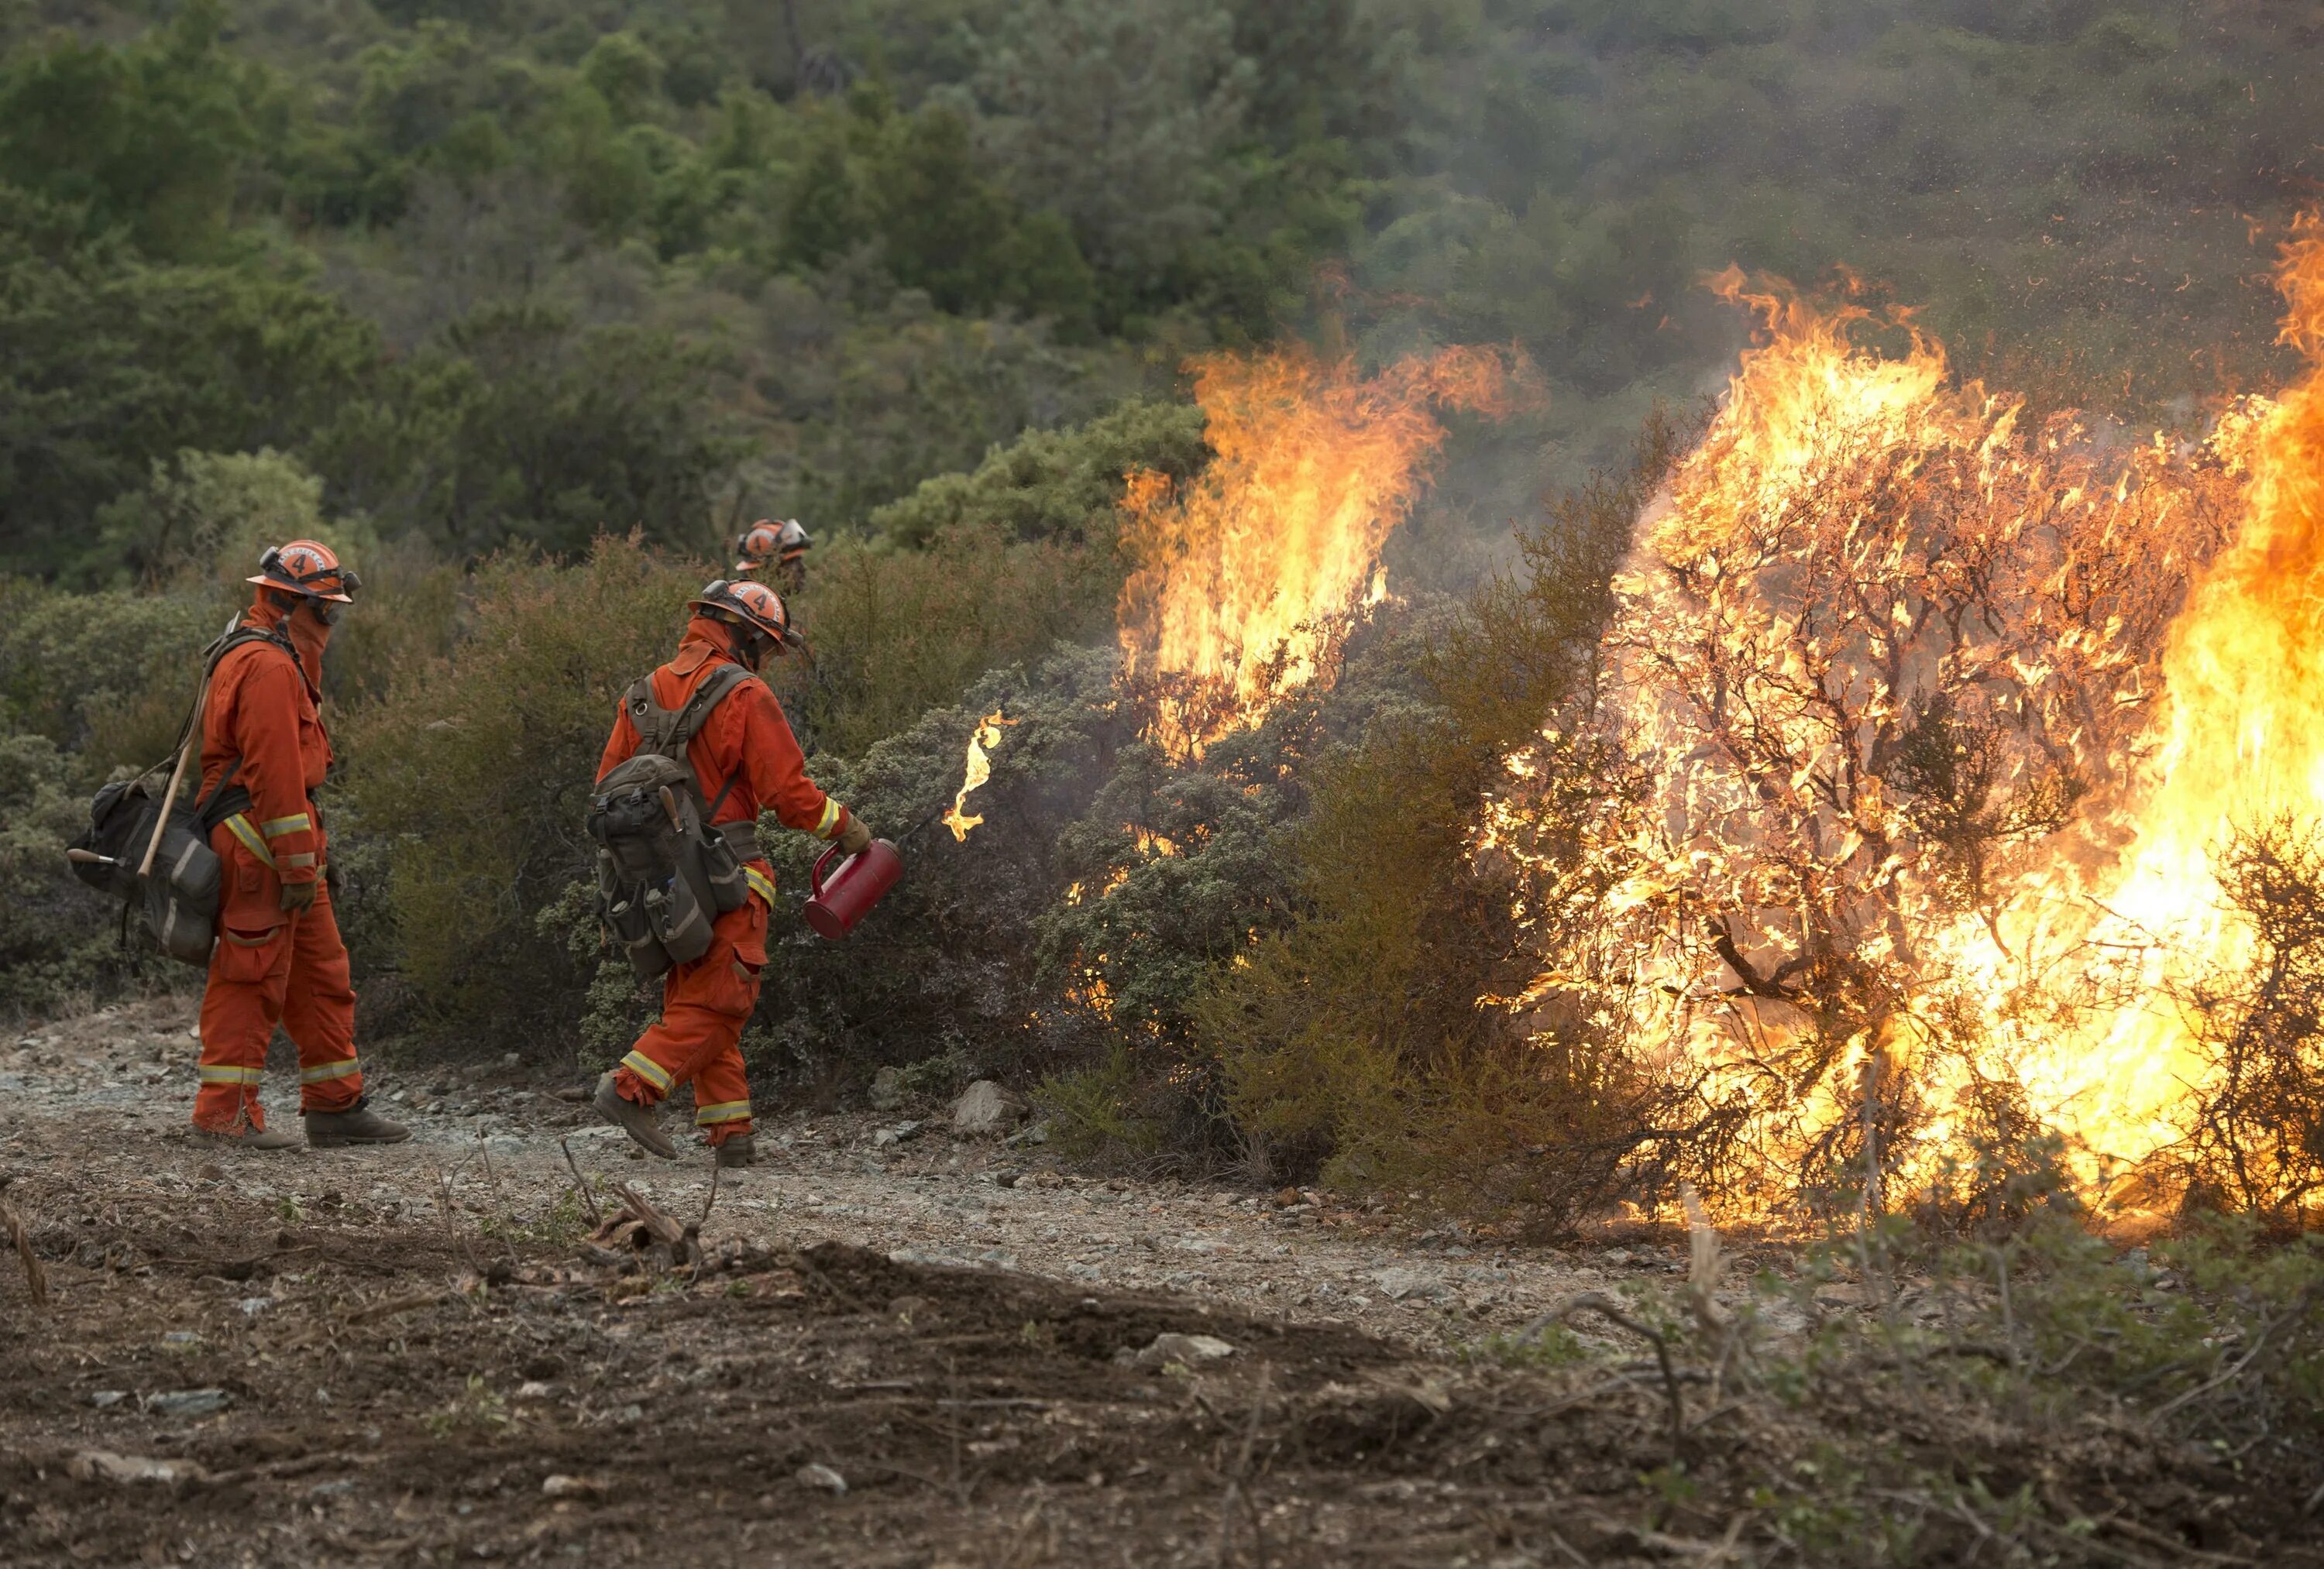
[179,900]
[663,875]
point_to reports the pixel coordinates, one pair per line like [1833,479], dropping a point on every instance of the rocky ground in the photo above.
[899,1348]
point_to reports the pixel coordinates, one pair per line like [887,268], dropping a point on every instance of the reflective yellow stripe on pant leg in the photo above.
[219,1073]
[323,1071]
[724,1111]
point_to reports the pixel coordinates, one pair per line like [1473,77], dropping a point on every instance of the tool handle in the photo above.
[185,754]
[177,777]
[89,857]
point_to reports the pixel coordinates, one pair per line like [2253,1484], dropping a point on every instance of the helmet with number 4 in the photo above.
[754,604]
[308,567]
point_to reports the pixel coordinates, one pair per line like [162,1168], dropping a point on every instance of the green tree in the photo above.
[146,138]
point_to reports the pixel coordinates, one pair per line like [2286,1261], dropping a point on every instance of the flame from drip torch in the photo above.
[980,768]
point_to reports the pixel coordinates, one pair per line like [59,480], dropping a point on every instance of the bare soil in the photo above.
[407,1355]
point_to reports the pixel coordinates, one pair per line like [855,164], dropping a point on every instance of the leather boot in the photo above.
[355,1126]
[637,1121]
[737,1151]
[249,1138]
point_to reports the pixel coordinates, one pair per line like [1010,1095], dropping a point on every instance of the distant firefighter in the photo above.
[698,750]
[779,549]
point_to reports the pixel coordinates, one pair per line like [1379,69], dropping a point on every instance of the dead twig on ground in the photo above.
[589,1199]
[36,1277]
[1606,1307]
[451,1226]
[2291,1315]
[1236,1488]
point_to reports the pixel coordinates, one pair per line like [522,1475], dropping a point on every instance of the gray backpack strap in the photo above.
[670,731]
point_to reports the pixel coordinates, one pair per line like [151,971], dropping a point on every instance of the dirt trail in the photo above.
[397,1353]
[910,1351]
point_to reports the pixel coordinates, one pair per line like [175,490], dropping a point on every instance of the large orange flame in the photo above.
[1243,574]
[1886,665]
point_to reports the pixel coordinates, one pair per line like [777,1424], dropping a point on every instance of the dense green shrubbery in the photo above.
[1052,484]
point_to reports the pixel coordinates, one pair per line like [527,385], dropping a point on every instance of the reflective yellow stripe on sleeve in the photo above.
[241,825]
[828,824]
[323,1072]
[647,1068]
[276,827]
[725,1111]
[761,885]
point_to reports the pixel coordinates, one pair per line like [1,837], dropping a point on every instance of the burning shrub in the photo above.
[2258,1139]
[1876,644]
[948,960]
[1353,1042]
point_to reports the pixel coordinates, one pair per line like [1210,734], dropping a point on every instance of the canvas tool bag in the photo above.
[179,901]
[663,874]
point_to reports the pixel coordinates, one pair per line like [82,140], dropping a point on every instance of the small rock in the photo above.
[563,1486]
[1007,1178]
[884,1137]
[1186,1350]
[1044,1179]
[1397,1284]
[534,1389]
[887,1090]
[105,1400]
[252,1307]
[1030,1134]
[985,1108]
[1287,1198]
[823,1477]
[104,1465]
[181,1339]
[512,1059]
[188,1402]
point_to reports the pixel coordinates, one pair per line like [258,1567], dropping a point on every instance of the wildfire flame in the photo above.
[1920,750]
[987,733]
[1245,572]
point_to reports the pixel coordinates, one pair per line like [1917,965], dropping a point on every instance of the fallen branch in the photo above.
[639,1228]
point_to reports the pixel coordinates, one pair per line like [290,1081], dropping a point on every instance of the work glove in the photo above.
[297,898]
[857,835]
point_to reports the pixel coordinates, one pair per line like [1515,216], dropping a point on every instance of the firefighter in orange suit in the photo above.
[278,958]
[776,549]
[744,751]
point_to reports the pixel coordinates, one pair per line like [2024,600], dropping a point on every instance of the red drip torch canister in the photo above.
[844,898]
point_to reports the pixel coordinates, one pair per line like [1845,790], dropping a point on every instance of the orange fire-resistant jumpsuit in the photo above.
[706,1004]
[270,967]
